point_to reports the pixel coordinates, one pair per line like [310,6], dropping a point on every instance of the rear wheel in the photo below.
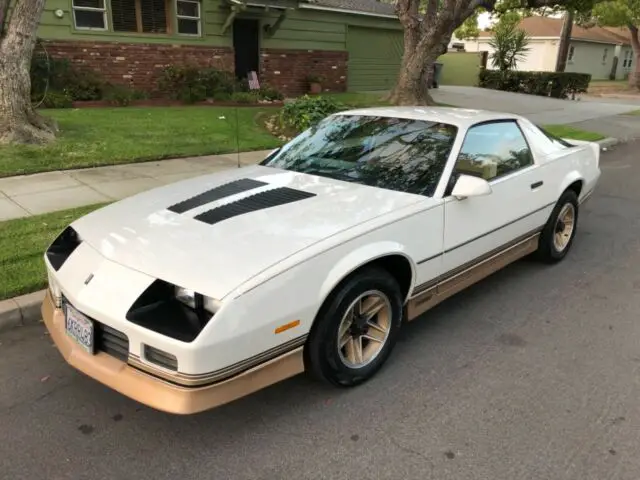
[356,329]
[558,234]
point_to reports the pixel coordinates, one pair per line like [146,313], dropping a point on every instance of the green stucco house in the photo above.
[354,44]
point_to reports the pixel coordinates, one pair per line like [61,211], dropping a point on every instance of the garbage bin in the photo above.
[437,73]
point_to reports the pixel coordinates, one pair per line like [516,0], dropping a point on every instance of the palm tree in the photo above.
[510,45]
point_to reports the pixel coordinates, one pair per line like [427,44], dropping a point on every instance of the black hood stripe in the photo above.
[259,201]
[221,191]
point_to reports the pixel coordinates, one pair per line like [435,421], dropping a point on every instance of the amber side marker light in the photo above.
[287,326]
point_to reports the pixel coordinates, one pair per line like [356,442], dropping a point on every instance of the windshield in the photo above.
[393,153]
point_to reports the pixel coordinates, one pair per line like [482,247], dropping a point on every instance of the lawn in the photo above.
[22,245]
[567,131]
[106,136]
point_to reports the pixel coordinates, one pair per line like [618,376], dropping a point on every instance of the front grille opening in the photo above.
[160,358]
[106,339]
[111,341]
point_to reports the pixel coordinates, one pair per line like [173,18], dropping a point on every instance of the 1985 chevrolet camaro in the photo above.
[194,294]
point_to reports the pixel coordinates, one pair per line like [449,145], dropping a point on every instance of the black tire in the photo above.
[322,354]
[547,251]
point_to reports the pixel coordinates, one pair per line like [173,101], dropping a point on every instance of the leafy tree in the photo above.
[625,14]
[510,44]
[19,122]
[428,26]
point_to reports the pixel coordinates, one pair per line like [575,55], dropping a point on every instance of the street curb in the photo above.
[21,311]
[608,142]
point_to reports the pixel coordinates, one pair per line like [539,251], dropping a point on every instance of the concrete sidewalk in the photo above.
[27,195]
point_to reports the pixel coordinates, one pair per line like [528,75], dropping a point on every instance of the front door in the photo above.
[476,226]
[246,45]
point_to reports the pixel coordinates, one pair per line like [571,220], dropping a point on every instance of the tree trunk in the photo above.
[565,40]
[19,122]
[417,70]
[634,77]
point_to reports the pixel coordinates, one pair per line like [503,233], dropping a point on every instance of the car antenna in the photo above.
[237,138]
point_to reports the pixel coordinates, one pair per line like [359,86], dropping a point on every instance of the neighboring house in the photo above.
[592,50]
[354,44]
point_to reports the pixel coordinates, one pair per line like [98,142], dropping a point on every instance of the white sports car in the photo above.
[191,295]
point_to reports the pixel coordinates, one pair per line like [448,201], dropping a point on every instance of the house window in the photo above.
[141,16]
[188,15]
[571,53]
[89,14]
[626,62]
[604,56]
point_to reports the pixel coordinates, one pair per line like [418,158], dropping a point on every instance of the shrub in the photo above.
[84,85]
[554,84]
[270,94]
[307,111]
[54,99]
[193,84]
[244,97]
[49,74]
[119,95]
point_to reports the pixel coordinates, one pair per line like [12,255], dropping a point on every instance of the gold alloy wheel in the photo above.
[564,227]
[364,329]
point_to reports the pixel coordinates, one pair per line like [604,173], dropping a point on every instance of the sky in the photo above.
[484,20]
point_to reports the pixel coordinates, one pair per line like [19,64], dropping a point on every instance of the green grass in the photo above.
[566,131]
[633,113]
[22,245]
[107,136]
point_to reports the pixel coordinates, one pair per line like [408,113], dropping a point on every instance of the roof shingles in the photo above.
[366,6]
[538,26]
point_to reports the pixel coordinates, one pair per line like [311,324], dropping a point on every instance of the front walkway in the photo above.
[27,195]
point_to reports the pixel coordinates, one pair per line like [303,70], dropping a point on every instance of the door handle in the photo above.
[536,185]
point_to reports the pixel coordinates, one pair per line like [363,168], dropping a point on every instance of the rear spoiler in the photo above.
[595,146]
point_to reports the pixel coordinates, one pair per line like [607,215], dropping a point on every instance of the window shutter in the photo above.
[154,16]
[123,15]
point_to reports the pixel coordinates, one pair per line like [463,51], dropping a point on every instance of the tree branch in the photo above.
[407,11]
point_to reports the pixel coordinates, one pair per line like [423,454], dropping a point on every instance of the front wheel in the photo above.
[558,234]
[356,329]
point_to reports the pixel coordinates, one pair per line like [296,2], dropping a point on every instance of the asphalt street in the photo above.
[531,374]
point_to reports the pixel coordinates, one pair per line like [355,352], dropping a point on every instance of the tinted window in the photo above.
[393,153]
[492,150]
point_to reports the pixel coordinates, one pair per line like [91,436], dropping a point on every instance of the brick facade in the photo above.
[138,65]
[286,69]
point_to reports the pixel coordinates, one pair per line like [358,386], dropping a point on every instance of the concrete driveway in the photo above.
[538,109]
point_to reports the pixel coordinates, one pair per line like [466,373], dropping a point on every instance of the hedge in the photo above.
[553,84]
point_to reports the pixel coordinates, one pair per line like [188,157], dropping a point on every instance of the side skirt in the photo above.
[458,280]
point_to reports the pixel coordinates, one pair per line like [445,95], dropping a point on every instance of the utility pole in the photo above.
[565,40]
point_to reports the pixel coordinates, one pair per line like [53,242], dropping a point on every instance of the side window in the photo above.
[492,150]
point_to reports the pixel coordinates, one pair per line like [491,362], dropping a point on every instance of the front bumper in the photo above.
[158,393]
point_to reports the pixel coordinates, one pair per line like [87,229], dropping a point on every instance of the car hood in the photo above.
[157,233]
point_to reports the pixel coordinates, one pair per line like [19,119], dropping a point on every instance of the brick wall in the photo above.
[286,69]
[138,65]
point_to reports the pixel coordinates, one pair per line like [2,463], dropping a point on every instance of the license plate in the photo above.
[80,328]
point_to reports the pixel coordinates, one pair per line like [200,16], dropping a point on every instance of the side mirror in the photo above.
[470,186]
